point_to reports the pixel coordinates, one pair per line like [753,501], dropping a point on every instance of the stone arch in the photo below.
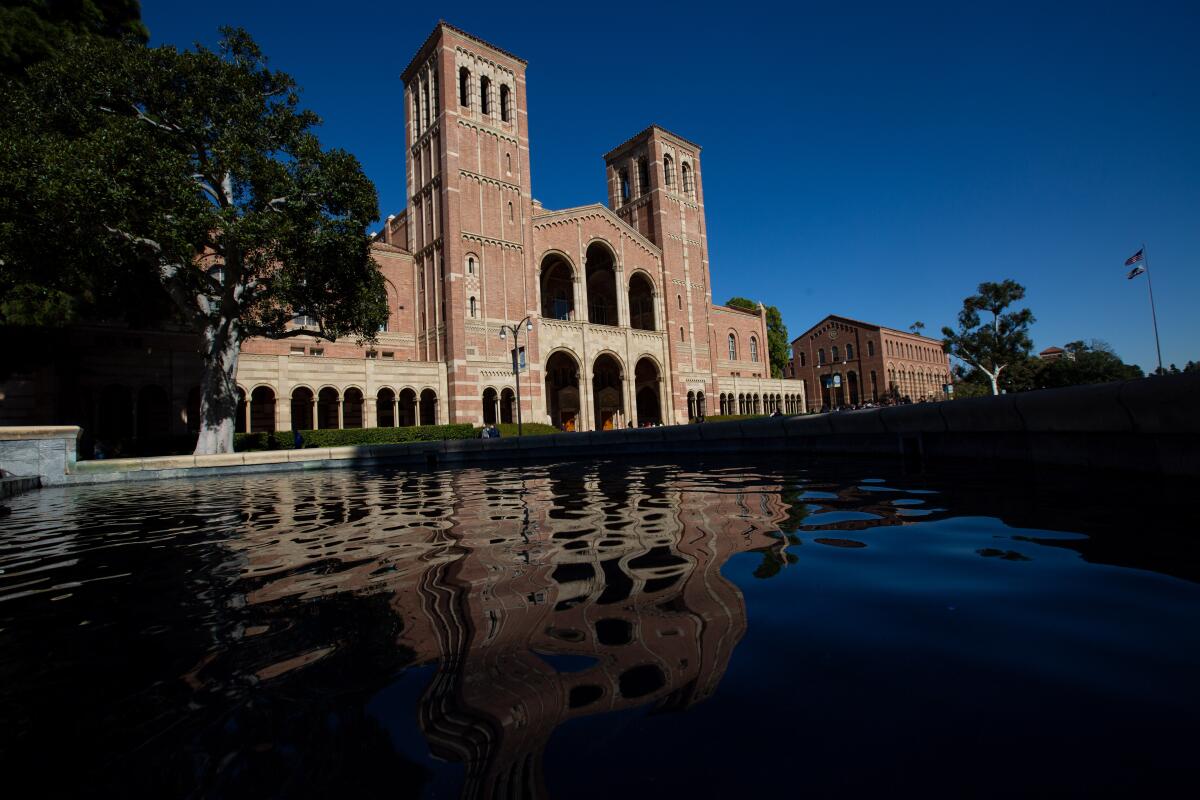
[556,282]
[608,390]
[428,406]
[407,408]
[508,406]
[647,382]
[691,405]
[328,401]
[385,407]
[562,373]
[304,401]
[352,407]
[642,294]
[490,400]
[731,345]
[262,409]
[600,275]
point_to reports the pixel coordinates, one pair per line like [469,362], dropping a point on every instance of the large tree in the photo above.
[196,172]
[33,30]
[990,337]
[777,335]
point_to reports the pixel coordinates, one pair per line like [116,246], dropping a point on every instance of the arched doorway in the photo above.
[608,400]
[562,391]
[508,406]
[302,409]
[115,418]
[327,408]
[153,413]
[601,285]
[262,409]
[646,381]
[408,409]
[489,406]
[428,407]
[352,408]
[557,283]
[385,408]
[641,302]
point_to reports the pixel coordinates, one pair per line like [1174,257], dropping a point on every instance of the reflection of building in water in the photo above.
[541,600]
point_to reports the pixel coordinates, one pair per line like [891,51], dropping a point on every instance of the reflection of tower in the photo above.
[608,608]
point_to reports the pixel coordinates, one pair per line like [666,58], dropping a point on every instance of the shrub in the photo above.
[341,437]
[527,429]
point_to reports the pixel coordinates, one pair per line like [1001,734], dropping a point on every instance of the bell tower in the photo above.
[470,212]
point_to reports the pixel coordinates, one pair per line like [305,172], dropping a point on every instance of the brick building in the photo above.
[867,363]
[622,327]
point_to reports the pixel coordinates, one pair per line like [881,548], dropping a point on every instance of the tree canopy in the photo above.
[32,30]
[996,340]
[1093,361]
[777,335]
[124,168]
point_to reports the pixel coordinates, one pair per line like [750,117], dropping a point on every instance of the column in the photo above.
[395,410]
[246,415]
[316,421]
[341,422]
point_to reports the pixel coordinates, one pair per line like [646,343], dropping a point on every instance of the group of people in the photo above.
[489,432]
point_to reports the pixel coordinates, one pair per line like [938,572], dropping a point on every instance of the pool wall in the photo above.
[1143,426]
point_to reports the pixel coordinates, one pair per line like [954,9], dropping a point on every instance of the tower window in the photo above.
[688,187]
[732,345]
[753,348]
[416,100]
[508,163]
[464,87]
[669,170]
[681,333]
[425,98]
[485,91]
[679,301]
[504,112]
[643,176]
[470,265]
[624,186]
[473,308]
[510,211]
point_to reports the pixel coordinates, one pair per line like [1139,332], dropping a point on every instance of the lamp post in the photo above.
[516,351]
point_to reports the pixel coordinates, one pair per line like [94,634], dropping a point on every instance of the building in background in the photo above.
[847,362]
[619,296]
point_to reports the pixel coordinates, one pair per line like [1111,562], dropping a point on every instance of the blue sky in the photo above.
[876,160]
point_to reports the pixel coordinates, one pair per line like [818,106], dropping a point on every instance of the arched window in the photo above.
[754,348]
[416,97]
[669,170]
[834,351]
[688,188]
[508,163]
[849,352]
[681,333]
[470,265]
[425,96]
[504,112]
[679,301]
[510,211]
[624,186]
[474,308]
[464,87]
[485,94]
[643,168]
[821,355]
[870,348]
[732,347]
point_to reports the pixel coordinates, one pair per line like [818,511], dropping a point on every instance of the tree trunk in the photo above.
[218,389]
[995,383]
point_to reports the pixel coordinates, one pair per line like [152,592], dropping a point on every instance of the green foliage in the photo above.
[343,437]
[33,30]
[527,429]
[992,344]
[128,172]
[1093,362]
[777,335]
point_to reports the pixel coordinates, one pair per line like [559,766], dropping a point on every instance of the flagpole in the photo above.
[1153,313]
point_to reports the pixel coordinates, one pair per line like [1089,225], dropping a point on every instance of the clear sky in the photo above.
[876,160]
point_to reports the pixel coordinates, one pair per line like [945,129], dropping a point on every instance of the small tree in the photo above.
[917,327]
[193,171]
[993,344]
[777,335]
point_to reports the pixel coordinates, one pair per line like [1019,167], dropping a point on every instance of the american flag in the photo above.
[1133,259]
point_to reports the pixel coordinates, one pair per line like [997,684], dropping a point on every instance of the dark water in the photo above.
[602,630]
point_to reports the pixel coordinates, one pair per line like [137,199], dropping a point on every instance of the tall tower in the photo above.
[470,210]
[654,185]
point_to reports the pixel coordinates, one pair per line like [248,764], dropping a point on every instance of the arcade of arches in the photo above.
[608,397]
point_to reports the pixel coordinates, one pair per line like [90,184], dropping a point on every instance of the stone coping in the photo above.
[22,432]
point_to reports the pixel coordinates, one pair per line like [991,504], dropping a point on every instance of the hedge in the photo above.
[731,417]
[340,437]
[527,429]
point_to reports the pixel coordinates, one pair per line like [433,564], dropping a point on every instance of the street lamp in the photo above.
[516,351]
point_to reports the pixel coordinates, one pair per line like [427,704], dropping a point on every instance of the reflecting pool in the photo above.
[613,629]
